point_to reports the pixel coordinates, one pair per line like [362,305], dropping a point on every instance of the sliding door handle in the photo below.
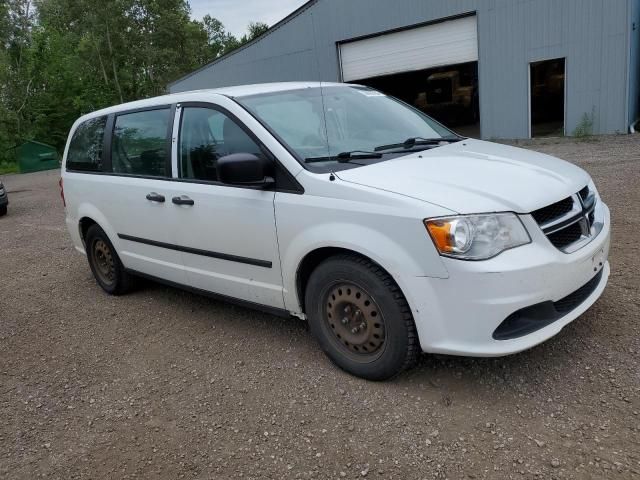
[182,200]
[155,197]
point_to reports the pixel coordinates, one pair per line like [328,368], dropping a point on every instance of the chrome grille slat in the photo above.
[576,211]
[584,193]
[589,202]
[558,227]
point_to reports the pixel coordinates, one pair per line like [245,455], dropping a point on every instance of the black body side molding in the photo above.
[197,251]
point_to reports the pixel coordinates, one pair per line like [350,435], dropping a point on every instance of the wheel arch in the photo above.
[83,225]
[314,258]
[89,215]
[404,252]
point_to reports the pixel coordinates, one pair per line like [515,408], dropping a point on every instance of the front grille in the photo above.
[584,193]
[566,236]
[554,211]
[530,319]
[569,220]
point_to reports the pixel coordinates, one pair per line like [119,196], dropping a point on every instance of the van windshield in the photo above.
[337,127]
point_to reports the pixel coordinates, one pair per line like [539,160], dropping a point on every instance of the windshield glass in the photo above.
[320,123]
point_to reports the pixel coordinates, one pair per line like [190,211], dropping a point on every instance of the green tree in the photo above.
[255,30]
[60,59]
[16,78]
[219,41]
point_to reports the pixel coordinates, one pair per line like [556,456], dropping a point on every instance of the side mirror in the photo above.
[244,169]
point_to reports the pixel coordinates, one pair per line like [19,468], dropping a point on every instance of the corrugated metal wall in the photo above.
[634,72]
[593,36]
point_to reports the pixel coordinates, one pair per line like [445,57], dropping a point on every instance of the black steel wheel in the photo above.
[360,317]
[102,258]
[355,321]
[105,263]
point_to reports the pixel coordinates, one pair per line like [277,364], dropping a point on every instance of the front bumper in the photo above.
[459,315]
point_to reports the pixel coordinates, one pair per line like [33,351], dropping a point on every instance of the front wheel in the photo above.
[360,318]
[105,263]
[3,210]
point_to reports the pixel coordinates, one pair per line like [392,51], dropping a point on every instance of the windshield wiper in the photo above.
[418,141]
[345,157]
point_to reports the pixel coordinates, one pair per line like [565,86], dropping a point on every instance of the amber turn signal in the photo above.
[440,232]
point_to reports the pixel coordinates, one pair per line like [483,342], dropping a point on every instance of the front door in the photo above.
[227,234]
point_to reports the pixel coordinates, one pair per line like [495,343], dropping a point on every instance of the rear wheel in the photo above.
[360,318]
[3,211]
[105,263]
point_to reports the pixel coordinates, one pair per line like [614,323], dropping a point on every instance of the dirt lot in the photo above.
[166,384]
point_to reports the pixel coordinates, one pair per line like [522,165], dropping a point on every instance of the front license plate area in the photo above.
[598,260]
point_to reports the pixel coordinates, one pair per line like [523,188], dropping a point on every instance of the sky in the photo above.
[236,14]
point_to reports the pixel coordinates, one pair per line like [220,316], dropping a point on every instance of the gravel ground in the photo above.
[166,384]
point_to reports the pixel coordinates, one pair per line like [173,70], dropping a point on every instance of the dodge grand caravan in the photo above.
[342,206]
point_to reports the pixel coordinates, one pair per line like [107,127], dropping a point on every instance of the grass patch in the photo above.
[8,167]
[584,129]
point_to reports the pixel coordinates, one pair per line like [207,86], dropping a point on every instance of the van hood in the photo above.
[473,176]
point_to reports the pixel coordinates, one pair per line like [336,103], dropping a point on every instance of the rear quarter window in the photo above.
[85,148]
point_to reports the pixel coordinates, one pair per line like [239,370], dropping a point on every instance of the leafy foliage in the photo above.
[60,59]
[585,127]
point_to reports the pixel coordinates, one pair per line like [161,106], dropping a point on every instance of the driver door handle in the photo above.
[155,197]
[182,200]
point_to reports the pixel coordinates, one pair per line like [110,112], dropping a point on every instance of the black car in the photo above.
[4,200]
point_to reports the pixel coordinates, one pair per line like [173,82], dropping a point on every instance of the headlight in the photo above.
[477,237]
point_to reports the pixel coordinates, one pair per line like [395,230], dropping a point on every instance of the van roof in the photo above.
[195,95]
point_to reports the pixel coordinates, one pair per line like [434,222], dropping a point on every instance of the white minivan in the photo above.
[344,207]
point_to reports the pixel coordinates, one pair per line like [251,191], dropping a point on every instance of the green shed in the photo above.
[35,156]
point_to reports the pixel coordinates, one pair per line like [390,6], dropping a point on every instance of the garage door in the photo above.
[446,43]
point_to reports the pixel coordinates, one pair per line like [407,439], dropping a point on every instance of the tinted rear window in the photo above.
[140,143]
[85,148]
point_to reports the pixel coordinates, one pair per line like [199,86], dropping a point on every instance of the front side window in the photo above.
[205,136]
[139,145]
[85,148]
[321,123]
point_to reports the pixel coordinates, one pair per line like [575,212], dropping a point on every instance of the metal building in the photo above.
[491,68]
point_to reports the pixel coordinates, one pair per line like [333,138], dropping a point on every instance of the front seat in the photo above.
[236,140]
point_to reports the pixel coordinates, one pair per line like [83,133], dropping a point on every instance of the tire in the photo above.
[348,292]
[105,263]
[3,211]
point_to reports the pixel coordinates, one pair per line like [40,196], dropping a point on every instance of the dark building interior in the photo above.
[449,94]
